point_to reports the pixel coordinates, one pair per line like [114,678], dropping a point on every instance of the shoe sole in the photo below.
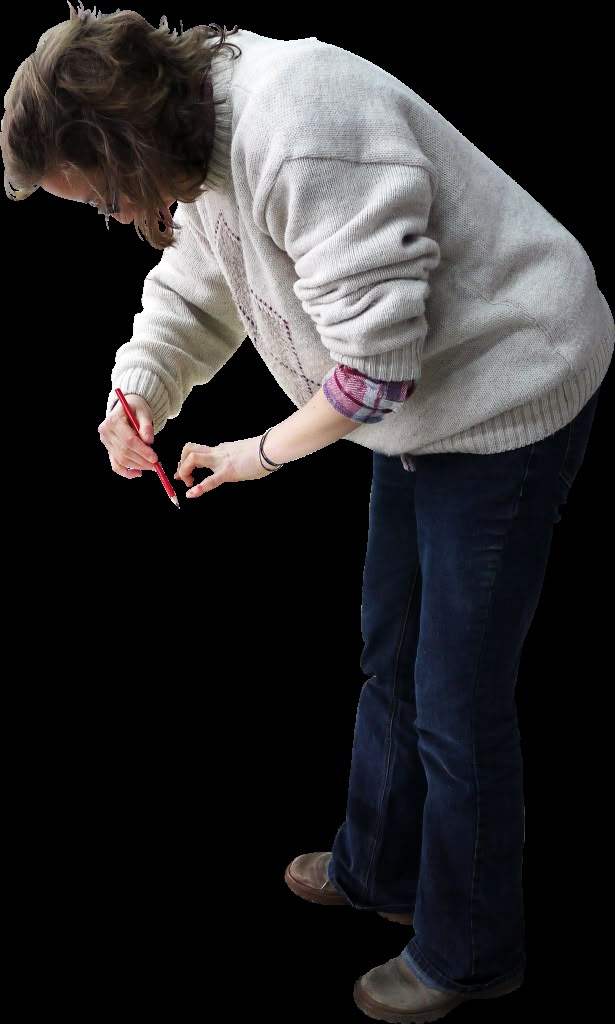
[377,1011]
[333,899]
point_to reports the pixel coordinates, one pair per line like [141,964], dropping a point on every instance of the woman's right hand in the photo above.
[129,452]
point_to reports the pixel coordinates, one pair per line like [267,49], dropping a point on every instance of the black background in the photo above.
[183,685]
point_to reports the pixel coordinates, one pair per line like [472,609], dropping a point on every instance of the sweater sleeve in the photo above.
[361,398]
[358,236]
[188,329]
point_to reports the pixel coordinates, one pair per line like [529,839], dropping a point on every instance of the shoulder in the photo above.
[307,98]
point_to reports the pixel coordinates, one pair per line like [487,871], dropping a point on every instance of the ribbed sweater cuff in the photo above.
[139,381]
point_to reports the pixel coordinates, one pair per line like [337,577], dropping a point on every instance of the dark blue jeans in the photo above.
[435,819]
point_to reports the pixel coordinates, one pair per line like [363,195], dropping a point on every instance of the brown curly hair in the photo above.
[110,95]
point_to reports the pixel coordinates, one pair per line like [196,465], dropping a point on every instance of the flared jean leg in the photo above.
[376,852]
[456,559]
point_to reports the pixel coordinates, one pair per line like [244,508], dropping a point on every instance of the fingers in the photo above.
[198,456]
[208,484]
[193,456]
[125,447]
[130,474]
[131,454]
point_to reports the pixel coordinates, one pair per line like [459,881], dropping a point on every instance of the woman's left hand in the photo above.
[230,461]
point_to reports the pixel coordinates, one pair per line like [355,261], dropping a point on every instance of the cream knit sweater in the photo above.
[350,223]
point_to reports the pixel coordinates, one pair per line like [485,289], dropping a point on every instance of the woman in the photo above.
[409,296]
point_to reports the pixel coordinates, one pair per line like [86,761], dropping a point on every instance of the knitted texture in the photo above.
[350,227]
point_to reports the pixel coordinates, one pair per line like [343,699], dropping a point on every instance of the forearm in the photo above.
[308,430]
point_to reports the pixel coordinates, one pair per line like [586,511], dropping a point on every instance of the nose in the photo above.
[123,218]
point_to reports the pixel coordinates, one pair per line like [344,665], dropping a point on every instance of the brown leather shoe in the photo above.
[307,876]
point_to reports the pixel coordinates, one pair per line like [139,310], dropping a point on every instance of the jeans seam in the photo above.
[562,474]
[478,806]
[391,717]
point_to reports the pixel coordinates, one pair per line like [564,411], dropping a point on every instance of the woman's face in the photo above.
[81,189]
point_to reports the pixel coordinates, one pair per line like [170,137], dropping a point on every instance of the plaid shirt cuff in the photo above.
[362,398]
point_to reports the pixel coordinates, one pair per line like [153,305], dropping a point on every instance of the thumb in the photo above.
[146,431]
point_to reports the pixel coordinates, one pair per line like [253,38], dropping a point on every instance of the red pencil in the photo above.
[156,465]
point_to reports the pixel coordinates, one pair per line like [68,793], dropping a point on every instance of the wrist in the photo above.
[265,461]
